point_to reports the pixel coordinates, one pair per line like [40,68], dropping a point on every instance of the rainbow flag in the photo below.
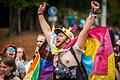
[99,58]
[33,72]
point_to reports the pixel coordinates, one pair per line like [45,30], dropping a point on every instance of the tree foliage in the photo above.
[114,13]
[28,9]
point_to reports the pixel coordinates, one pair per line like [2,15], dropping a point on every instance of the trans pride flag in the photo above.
[99,58]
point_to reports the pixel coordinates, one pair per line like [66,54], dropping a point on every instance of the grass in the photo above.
[27,40]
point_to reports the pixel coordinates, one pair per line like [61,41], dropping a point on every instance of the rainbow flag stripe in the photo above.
[33,72]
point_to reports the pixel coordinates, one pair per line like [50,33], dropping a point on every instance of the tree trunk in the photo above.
[13,25]
[19,20]
[28,20]
[35,21]
[31,19]
[10,32]
[15,21]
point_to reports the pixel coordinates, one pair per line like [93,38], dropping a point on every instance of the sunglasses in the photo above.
[11,49]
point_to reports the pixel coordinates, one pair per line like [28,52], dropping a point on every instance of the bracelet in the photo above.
[40,14]
[92,14]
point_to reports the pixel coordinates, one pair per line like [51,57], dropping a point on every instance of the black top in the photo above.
[9,77]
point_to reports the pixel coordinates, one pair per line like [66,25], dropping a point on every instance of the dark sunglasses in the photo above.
[11,49]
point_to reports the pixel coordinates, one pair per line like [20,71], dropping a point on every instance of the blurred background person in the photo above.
[117,59]
[72,16]
[7,67]
[20,61]
[40,41]
[41,48]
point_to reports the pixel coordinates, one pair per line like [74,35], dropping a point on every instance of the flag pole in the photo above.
[104,13]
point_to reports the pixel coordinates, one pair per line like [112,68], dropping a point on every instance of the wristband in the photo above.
[40,14]
[92,14]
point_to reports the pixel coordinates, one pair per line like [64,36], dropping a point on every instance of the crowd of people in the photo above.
[59,50]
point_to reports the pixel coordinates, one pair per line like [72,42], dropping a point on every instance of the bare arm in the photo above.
[84,33]
[44,25]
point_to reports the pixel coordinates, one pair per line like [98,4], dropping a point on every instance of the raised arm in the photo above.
[44,25]
[89,21]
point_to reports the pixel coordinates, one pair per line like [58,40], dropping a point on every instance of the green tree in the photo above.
[23,13]
[15,8]
[114,13]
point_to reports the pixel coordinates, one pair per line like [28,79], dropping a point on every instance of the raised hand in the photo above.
[95,6]
[42,8]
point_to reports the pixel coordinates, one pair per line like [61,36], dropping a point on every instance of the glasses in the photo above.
[11,49]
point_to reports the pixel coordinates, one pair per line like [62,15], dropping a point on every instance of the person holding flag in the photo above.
[87,56]
[42,60]
[67,58]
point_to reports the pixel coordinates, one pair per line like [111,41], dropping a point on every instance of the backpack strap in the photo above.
[73,53]
[81,69]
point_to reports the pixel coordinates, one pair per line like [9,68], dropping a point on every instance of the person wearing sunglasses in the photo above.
[9,50]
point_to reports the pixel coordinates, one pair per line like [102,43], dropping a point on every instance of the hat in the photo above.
[67,32]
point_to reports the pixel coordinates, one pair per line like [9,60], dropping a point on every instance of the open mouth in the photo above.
[57,41]
[11,54]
